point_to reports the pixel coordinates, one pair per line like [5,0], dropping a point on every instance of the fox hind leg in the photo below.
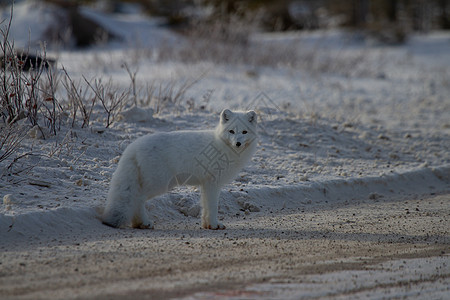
[123,195]
[117,210]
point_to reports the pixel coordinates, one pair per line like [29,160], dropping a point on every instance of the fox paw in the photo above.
[146,226]
[219,226]
[143,226]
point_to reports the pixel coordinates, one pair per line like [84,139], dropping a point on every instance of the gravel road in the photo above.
[388,247]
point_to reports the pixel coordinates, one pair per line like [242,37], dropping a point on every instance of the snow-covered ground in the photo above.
[346,120]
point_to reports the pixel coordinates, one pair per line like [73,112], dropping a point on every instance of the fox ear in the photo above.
[225,115]
[251,115]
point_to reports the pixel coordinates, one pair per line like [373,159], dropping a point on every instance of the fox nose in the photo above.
[238,144]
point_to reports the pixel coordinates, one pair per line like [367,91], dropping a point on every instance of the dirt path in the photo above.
[259,255]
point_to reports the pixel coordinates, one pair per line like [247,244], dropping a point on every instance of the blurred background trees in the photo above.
[389,21]
[313,14]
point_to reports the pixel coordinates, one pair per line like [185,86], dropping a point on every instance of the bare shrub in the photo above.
[52,109]
[110,97]
[232,38]
[222,38]
[133,81]
[24,91]
[21,93]
[11,79]
[78,100]
[10,138]
[162,96]
[169,96]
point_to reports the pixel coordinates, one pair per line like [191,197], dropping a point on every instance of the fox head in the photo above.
[237,129]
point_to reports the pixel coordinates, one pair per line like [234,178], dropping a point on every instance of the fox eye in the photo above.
[244,132]
[231,131]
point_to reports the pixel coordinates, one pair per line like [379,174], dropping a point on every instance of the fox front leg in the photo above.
[210,207]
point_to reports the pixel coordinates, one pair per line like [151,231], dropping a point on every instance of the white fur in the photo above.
[155,163]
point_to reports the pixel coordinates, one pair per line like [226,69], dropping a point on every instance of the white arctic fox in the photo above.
[155,163]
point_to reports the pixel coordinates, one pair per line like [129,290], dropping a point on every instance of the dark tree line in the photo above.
[311,14]
[419,14]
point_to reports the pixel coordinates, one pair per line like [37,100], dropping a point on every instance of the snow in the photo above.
[372,123]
